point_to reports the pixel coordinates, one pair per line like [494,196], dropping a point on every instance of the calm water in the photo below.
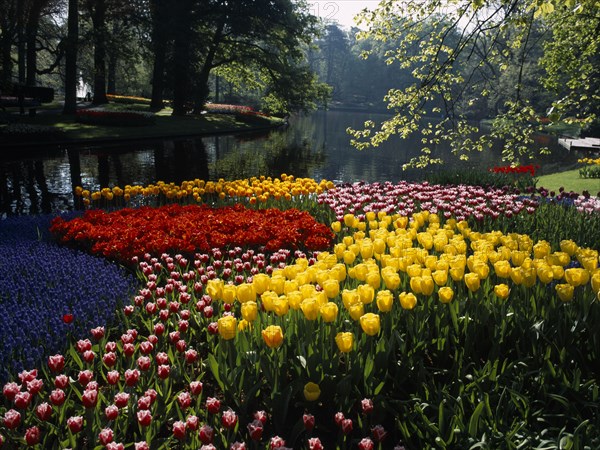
[315,146]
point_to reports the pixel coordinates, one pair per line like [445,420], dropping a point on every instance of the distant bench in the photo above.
[30,96]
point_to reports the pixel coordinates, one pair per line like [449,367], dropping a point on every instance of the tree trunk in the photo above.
[202,88]
[70,106]
[111,85]
[99,22]
[31,31]
[21,49]
[160,38]
[181,61]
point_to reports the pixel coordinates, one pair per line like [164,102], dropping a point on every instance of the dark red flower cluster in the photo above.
[122,234]
[530,169]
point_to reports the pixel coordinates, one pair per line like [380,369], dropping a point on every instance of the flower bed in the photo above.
[41,283]
[410,331]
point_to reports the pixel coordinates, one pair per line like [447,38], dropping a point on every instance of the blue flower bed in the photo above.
[39,283]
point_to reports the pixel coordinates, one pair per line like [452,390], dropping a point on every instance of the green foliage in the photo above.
[462,56]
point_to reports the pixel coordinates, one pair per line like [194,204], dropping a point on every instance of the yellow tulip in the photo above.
[414,270]
[576,276]
[374,279]
[596,282]
[425,239]
[267,299]
[529,276]
[472,281]
[391,279]
[565,292]
[329,311]
[310,308]
[407,300]
[589,263]
[541,249]
[273,336]
[366,293]
[456,273]
[261,282]
[370,323]
[427,285]
[336,226]
[349,220]
[545,274]
[385,300]
[249,311]
[214,288]
[281,305]
[312,391]
[356,311]
[366,249]
[558,271]
[440,277]
[379,246]
[227,326]
[501,290]
[228,293]
[517,257]
[348,256]
[360,271]
[569,247]
[516,275]
[445,294]
[482,269]
[344,341]
[243,325]
[294,299]
[246,292]
[350,297]
[338,272]
[331,288]
[277,284]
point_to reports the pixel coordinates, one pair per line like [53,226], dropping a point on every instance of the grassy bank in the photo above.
[570,181]
[67,128]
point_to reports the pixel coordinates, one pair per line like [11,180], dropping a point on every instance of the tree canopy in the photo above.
[534,60]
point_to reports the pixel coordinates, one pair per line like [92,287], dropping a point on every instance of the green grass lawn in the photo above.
[570,181]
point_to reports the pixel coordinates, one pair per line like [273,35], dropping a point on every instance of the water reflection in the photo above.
[314,146]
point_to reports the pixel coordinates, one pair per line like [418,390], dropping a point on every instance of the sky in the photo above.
[341,11]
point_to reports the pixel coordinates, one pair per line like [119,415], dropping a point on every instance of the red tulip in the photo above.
[315,444]
[179,429]
[106,436]
[83,345]
[255,429]
[111,412]
[75,424]
[115,446]
[144,403]
[143,362]
[56,363]
[347,426]
[192,422]
[57,397]
[191,356]
[276,442]
[97,333]
[261,415]
[110,359]
[196,387]
[113,377]
[185,400]
[206,434]
[34,386]
[22,400]
[161,358]
[152,394]
[61,381]
[143,445]
[144,417]
[213,405]
[229,419]
[132,377]
[163,371]
[27,375]
[128,349]
[309,421]
[366,444]
[89,398]
[32,436]
[121,399]
[10,390]
[85,376]
[379,433]
[366,405]
[67,318]
[12,419]
[44,411]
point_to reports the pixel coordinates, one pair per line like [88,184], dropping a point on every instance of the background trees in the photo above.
[480,55]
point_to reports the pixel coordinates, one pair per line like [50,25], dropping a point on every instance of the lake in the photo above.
[314,146]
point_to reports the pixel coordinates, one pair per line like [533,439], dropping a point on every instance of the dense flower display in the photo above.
[405,198]
[121,235]
[220,108]
[256,189]
[405,331]
[41,283]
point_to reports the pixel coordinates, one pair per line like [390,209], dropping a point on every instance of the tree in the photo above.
[70,106]
[458,52]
